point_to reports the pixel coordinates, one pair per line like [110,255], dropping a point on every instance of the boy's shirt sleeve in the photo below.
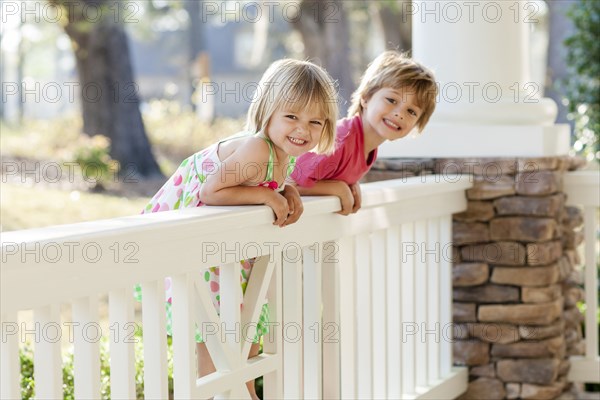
[312,167]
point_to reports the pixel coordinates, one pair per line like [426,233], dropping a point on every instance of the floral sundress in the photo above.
[182,190]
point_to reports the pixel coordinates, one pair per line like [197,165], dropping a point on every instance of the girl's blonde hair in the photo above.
[299,85]
[396,70]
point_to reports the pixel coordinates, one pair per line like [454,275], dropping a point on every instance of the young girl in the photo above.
[395,95]
[293,111]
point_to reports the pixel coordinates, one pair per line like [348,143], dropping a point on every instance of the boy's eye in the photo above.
[412,112]
[391,101]
[291,116]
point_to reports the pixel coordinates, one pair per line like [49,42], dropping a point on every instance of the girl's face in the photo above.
[295,132]
[390,113]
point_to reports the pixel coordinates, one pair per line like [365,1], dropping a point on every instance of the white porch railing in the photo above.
[583,189]
[360,305]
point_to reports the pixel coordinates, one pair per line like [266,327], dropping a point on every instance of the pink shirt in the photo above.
[347,163]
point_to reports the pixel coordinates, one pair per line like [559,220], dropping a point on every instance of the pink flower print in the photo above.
[178,179]
[170,300]
[156,207]
[164,207]
[214,286]
[179,192]
[208,166]
[271,185]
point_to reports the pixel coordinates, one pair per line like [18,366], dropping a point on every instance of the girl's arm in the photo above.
[332,188]
[248,164]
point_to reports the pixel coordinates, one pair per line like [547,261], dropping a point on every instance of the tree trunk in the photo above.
[109,94]
[396,24]
[561,27]
[324,30]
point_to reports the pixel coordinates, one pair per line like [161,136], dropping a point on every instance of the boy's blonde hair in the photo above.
[395,70]
[299,85]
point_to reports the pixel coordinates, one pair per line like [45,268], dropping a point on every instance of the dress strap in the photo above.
[269,176]
[291,166]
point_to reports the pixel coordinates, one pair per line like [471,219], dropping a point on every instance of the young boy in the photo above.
[395,95]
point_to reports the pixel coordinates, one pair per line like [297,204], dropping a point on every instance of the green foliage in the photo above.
[94,160]
[28,383]
[583,86]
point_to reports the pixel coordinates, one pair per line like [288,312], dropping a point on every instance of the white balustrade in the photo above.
[360,305]
[583,189]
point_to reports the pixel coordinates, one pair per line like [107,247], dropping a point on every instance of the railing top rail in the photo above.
[57,264]
[219,218]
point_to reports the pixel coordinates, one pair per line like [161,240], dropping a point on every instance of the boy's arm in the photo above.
[331,188]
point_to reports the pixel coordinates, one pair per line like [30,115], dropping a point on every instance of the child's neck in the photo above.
[371,140]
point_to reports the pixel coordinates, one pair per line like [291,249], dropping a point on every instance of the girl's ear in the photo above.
[363,102]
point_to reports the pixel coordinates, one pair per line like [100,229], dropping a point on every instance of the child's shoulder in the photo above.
[252,147]
[347,127]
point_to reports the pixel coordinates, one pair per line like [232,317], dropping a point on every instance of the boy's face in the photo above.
[390,113]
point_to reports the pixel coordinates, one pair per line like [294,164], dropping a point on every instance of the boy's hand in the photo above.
[296,208]
[280,207]
[333,188]
[357,194]
[346,196]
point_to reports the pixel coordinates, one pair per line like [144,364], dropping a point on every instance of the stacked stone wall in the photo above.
[516,273]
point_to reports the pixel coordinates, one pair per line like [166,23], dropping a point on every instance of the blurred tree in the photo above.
[109,94]
[583,85]
[324,30]
[396,23]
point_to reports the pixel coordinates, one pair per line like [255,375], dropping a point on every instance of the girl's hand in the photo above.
[294,203]
[280,207]
[357,194]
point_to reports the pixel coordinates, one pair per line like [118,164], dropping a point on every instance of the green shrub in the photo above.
[583,84]
[27,368]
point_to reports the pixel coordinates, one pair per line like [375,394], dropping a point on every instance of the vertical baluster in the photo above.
[273,387]
[155,340]
[184,360]
[409,328]
[348,327]
[379,327]
[313,367]
[231,298]
[46,357]
[394,313]
[421,295]
[433,254]
[292,324]
[10,377]
[122,357]
[445,232]
[364,320]
[331,321]
[591,282]
[86,352]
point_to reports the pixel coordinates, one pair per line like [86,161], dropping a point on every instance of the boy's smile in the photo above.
[389,114]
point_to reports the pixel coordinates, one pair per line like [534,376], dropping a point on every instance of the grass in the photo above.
[24,207]
[173,132]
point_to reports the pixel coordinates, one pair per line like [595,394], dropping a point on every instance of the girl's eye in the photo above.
[390,100]
[290,116]
[316,122]
[412,112]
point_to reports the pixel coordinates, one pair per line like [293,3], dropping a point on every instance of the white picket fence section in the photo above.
[583,189]
[360,306]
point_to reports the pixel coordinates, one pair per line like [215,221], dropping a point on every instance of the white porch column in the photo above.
[488,104]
